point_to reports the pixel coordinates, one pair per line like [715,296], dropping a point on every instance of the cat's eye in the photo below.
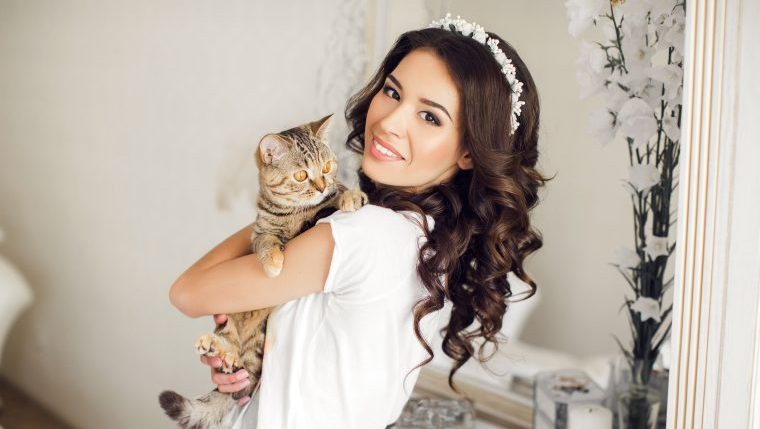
[300,176]
[326,169]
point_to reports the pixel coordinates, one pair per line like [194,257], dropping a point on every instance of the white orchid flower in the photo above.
[659,9]
[647,307]
[582,13]
[672,30]
[670,126]
[656,246]
[634,11]
[589,69]
[615,95]
[637,121]
[670,75]
[600,125]
[643,176]
[626,258]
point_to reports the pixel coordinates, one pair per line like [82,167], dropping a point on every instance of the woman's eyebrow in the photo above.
[430,103]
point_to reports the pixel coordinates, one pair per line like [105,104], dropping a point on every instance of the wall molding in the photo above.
[719,239]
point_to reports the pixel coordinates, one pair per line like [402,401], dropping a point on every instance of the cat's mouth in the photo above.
[318,198]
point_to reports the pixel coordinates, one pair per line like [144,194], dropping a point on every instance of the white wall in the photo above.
[117,123]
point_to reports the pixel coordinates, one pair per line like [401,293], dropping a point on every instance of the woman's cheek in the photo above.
[438,154]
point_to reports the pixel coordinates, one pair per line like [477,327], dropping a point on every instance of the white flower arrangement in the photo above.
[638,71]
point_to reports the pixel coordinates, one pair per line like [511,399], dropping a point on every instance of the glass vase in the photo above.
[638,403]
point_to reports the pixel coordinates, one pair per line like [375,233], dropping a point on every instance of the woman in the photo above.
[448,157]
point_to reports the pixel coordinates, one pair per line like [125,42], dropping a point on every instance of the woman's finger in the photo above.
[219,319]
[234,387]
[244,400]
[213,362]
[221,378]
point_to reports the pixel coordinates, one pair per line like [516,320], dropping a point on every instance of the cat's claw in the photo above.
[352,199]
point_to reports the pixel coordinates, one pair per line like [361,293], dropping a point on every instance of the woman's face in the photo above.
[415,118]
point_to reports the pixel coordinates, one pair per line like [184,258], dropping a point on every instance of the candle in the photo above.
[589,416]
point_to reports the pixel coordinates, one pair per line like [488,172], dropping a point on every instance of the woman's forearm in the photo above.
[234,246]
[231,279]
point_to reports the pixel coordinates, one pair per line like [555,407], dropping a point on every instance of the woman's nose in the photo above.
[394,122]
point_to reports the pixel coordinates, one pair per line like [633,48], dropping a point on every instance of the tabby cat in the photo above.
[297,180]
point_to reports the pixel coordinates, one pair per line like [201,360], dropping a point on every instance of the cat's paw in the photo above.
[272,261]
[352,199]
[212,345]
[206,345]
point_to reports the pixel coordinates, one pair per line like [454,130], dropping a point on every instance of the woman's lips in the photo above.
[386,150]
[381,153]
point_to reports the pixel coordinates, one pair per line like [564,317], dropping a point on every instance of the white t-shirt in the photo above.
[338,359]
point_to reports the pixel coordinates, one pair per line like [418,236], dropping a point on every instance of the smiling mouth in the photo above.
[387,153]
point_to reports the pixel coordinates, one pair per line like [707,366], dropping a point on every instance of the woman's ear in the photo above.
[465,161]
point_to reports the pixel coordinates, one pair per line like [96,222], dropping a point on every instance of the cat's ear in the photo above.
[272,148]
[319,128]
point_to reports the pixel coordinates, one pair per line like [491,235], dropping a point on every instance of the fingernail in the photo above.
[245,400]
[241,374]
[245,382]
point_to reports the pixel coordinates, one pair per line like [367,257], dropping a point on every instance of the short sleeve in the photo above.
[375,251]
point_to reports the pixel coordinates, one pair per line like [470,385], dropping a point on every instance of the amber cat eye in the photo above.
[327,167]
[300,176]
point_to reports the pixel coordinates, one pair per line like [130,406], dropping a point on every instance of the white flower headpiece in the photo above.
[479,34]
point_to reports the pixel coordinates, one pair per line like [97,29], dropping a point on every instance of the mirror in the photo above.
[584,216]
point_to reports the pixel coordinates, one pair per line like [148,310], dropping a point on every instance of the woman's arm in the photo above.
[230,279]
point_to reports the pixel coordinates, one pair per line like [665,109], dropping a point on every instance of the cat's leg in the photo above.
[216,345]
[351,200]
[269,249]
[252,338]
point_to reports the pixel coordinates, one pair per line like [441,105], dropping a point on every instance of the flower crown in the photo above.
[479,34]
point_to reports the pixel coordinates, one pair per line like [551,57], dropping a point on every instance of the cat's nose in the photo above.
[320,184]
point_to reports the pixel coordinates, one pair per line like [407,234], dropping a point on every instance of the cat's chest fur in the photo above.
[287,222]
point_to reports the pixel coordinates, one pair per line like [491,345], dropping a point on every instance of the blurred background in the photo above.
[126,138]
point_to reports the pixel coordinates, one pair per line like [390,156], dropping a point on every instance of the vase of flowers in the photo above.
[638,70]
[638,405]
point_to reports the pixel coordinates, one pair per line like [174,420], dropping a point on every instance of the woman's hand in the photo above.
[226,383]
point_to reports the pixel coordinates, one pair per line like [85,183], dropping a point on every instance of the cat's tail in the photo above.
[212,411]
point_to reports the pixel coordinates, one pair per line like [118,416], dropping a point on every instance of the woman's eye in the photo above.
[300,176]
[386,88]
[427,115]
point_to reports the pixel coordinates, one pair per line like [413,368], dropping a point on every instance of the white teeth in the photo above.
[383,150]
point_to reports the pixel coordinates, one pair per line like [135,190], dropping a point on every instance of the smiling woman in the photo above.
[412,146]
[450,186]
[442,102]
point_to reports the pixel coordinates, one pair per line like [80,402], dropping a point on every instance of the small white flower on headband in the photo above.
[478,33]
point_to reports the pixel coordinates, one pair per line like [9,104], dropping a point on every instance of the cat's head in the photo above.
[297,167]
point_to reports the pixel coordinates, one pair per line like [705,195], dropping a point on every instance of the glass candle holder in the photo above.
[433,413]
[556,391]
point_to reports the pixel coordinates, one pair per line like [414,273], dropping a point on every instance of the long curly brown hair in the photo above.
[482,228]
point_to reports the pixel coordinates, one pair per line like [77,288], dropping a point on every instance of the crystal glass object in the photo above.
[432,413]
[556,391]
